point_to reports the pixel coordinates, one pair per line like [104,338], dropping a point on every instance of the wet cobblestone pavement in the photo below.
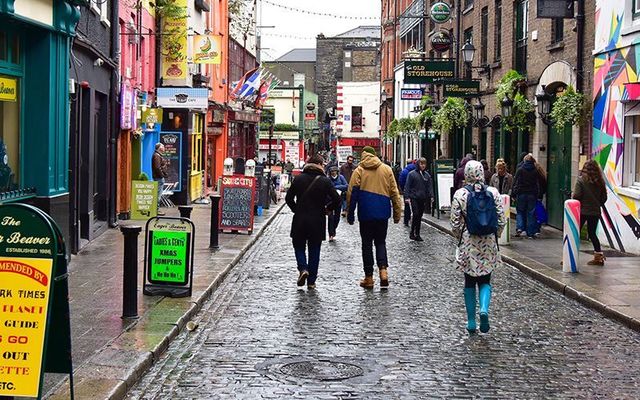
[261,337]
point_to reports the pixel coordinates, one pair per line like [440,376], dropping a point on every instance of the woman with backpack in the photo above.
[591,191]
[477,218]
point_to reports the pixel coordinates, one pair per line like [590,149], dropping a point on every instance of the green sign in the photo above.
[144,199]
[428,71]
[440,12]
[460,88]
[169,257]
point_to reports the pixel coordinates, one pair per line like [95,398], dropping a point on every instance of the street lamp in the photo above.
[383,96]
[507,106]
[478,110]
[544,105]
[468,52]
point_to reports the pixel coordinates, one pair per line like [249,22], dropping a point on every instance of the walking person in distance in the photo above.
[373,192]
[419,190]
[346,170]
[411,165]
[340,185]
[526,190]
[159,170]
[591,191]
[477,219]
[310,197]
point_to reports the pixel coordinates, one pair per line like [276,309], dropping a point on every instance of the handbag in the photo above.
[541,213]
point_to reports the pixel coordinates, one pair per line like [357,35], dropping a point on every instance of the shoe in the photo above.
[537,235]
[406,224]
[518,233]
[332,239]
[530,237]
[412,236]
[311,286]
[598,259]
[384,278]
[344,214]
[419,239]
[302,278]
[470,305]
[367,282]
[485,299]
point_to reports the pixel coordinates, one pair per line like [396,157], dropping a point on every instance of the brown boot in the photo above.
[367,282]
[598,259]
[384,278]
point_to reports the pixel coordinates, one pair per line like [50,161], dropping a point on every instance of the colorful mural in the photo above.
[616,72]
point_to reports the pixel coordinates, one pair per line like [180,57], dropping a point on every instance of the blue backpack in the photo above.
[482,215]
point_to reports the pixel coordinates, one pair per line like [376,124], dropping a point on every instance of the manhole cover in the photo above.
[321,370]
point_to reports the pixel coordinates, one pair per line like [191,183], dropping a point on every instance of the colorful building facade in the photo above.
[616,118]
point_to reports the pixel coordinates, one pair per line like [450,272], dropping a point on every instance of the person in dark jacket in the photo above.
[521,160]
[458,178]
[411,165]
[159,170]
[307,198]
[591,191]
[526,189]
[347,169]
[487,171]
[419,189]
[339,184]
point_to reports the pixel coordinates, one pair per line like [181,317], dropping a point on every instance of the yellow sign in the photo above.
[207,49]
[24,299]
[8,89]
[174,43]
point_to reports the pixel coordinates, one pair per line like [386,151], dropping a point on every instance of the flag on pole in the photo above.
[263,92]
[247,85]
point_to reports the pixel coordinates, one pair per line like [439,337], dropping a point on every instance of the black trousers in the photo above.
[471,281]
[592,226]
[417,209]
[407,213]
[374,233]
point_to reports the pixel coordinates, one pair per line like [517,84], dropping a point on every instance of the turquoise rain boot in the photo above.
[485,299]
[470,304]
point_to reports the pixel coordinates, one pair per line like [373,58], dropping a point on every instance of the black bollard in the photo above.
[215,206]
[130,276]
[185,211]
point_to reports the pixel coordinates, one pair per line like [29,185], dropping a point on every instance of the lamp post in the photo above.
[383,117]
[544,105]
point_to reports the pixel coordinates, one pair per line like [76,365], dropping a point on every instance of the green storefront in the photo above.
[35,37]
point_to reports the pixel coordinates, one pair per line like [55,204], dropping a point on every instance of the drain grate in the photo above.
[321,370]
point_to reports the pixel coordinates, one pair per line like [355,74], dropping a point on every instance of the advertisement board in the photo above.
[428,71]
[236,204]
[207,49]
[172,142]
[173,56]
[144,199]
[411,94]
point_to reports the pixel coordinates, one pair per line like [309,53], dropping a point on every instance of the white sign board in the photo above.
[445,183]
[292,153]
[343,152]
[182,97]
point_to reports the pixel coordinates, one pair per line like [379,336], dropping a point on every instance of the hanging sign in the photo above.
[34,309]
[8,89]
[236,204]
[169,257]
[174,46]
[555,9]
[126,106]
[411,94]
[440,12]
[207,49]
[144,199]
[441,41]
[182,97]
[428,71]
[460,88]
[172,142]
[152,116]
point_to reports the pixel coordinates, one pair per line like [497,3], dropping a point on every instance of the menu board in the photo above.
[236,205]
[144,199]
[172,142]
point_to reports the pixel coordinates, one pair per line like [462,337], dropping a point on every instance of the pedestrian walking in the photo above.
[333,162]
[310,197]
[346,170]
[419,190]
[288,167]
[487,171]
[502,179]
[526,190]
[341,186]
[159,170]
[477,219]
[373,191]
[541,213]
[411,165]
[591,191]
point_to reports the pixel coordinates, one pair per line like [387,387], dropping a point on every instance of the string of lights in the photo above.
[287,36]
[318,13]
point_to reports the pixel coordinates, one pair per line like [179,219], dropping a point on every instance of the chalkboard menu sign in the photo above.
[236,205]
[172,142]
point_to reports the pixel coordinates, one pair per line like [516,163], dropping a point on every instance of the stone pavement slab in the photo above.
[613,290]
[109,353]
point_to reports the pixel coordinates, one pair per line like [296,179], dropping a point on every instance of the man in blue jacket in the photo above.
[402,181]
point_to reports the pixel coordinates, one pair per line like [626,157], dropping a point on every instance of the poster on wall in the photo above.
[174,51]
[172,142]
[207,49]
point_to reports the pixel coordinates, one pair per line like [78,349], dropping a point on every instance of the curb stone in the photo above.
[558,286]
[121,377]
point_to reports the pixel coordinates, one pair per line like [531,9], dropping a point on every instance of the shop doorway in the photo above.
[558,173]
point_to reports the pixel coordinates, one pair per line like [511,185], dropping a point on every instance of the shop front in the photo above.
[357,144]
[34,95]
[243,132]
[214,146]
[285,146]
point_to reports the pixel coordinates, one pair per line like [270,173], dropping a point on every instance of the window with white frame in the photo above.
[101,7]
[631,166]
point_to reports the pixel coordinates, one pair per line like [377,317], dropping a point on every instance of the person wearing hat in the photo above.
[340,185]
[373,192]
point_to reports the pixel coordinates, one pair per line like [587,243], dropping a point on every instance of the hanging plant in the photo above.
[508,86]
[520,118]
[392,131]
[407,126]
[424,116]
[568,108]
[453,114]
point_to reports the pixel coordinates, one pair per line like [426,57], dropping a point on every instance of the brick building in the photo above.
[295,61]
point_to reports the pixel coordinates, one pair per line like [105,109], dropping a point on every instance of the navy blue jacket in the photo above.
[404,174]
[419,185]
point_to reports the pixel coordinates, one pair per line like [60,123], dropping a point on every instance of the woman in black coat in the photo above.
[310,197]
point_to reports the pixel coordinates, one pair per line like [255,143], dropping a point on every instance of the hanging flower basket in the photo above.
[452,115]
[569,108]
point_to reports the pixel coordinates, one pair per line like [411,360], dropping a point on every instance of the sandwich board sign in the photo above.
[237,203]
[168,266]
[35,334]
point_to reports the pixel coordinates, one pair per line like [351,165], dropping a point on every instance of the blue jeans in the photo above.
[160,184]
[310,265]
[526,217]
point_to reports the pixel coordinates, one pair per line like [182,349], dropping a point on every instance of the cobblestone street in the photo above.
[261,337]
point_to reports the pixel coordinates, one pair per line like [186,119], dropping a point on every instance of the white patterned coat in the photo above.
[476,255]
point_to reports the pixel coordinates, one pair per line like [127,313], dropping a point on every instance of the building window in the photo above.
[521,36]
[632,147]
[497,33]
[468,36]
[101,7]
[636,9]
[468,4]
[10,134]
[356,119]
[557,30]
[484,27]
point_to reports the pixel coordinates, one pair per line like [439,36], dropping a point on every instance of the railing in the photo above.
[17,195]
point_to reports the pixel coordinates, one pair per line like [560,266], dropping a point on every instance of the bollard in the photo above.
[571,236]
[505,238]
[215,207]
[130,276]
[185,211]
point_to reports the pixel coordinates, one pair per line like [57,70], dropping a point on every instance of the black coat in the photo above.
[418,186]
[527,181]
[309,209]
